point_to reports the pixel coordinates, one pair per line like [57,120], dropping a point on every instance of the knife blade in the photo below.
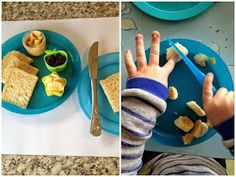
[196,72]
[95,127]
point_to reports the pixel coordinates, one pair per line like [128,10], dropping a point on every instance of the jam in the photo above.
[55,60]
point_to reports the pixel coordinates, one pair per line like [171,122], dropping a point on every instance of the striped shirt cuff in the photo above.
[226,129]
[154,87]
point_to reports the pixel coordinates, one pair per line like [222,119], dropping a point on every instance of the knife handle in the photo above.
[95,127]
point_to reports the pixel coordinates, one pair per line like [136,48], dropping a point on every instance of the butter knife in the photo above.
[95,127]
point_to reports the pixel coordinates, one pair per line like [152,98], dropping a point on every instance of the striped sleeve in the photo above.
[226,130]
[142,102]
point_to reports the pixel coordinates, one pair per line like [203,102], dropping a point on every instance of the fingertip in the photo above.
[138,37]
[210,75]
[128,51]
[155,34]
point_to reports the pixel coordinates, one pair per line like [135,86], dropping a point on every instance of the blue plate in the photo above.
[165,131]
[40,102]
[173,10]
[108,64]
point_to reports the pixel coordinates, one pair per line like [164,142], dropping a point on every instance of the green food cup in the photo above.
[56,68]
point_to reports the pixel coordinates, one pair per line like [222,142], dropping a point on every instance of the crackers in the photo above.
[19,87]
[11,60]
[19,79]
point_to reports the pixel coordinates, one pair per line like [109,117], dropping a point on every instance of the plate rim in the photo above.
[173,16]
[12,108]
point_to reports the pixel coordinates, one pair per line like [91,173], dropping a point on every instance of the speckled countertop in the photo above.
[58,165]
[58,10]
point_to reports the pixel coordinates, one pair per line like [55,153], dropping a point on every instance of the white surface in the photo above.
[65,129]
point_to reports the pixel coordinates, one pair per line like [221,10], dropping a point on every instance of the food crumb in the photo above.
[212,61]
[218,30]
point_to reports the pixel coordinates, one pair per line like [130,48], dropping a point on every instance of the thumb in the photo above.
[207,93]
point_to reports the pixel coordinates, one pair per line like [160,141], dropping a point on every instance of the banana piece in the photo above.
[54,84]
[200,128]
[184,123]
[196,108]
[171,53]
[173,93]
[209,124]
[187,138]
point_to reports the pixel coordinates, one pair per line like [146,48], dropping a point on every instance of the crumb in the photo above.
[212,61]
[218,30]
[226,39]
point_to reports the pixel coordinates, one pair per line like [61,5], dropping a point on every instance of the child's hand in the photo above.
[152,70]
[220,107]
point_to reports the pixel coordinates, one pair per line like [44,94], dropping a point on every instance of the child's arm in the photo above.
[142,101]
[220,110]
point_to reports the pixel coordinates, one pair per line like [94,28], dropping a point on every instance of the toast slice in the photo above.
[12,61]
[110,86]
[19,87]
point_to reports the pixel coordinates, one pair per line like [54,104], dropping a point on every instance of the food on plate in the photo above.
[200,128]
[212,61]
[19,87]
[110,86]
[21,56]
[54,84]
[184,123]
[187,138]
[196,108]
[201,59]
[55,60]
[173,93]
[34,42]
[171,53]
[11,60]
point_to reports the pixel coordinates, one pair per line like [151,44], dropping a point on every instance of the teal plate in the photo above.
[40,102]
[108,64]
[173,10]
[165,132]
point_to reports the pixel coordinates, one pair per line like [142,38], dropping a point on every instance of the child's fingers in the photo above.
[140,52]
[221,93]
[169,66]
[130,66]
[207,93]
[154,53]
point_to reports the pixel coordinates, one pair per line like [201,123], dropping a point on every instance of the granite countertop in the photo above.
[58,165]
[13,11]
